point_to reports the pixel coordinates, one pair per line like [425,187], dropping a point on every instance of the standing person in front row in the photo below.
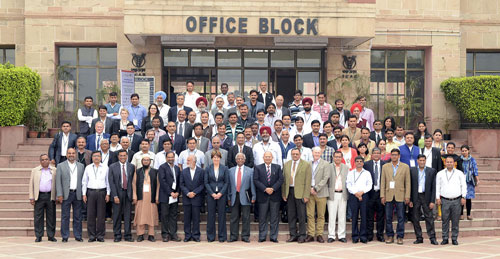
[145,199]
[268,179]
[42,194]
[319,193]
[423,194]
[169,177]
[337,199]
[395,187]
[241,196]
[296,191]
[359,183]
[96,190]
[192,187]
[69,194]
[375,207]
[451,191]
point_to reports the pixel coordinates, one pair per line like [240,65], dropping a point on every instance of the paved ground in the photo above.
[24,247]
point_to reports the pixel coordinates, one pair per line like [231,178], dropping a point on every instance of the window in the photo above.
[397,85]
[483,63]
[83,70]
[7,54]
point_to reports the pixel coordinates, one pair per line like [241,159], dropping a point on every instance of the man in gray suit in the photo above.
[254,105]
[69,193]
[241,196]
[337,199]
[216,146]
[201,142]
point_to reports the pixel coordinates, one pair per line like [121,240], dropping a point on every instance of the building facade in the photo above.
[397,52]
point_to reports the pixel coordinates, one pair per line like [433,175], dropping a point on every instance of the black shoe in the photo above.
[418,241]
[129,239]
[65,240]
[444,242]
[165,239]
[79,239]
[117,239]
[246,240]
[292,239]
[100,240]
[434,242]
[185,239]
[140,238]
[370,239]
[92,240]
[330,240]
[381,239]
[195,239]
[222,240]
[210,240]
[231,240]
[454,242]
[151,238]
[364,241]
[51,239]
[38,239]
[261,240]
[274,240]
[354,241]
[343,240]
[175,239]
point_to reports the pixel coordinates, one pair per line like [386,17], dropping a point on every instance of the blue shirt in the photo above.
[136,114]
[316,140]
[421,179]
[394,169]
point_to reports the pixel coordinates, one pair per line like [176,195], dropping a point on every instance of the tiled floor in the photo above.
[25,247]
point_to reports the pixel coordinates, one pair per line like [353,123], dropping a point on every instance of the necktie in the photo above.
[172,138]
[292,176]
[130,139]
[181,130]
[98,141]
[238,180]
[376,173]
[268,174]
[377,138]
[124,178]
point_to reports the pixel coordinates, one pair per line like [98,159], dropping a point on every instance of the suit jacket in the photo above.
[196,185]
[56,145]
[402,181]
[221,183]
[247,189]
[284,111]
[203,145]
[321,177]
[308,140]
[91,145]
[302,182]
[179,143]
[188,129]
[166,178]
[136,142]
[113,157]
[246,123]
[368,166]
[269,99]
[258,106]
[406,156]
[146,125]
[372,136]
[437,162]
[87,156]
[130,155]
[63,179]
[224,112]
[233,151]
[227,144]
[261,183]
[34,185]
[172,112]
[110,127]
[430,184]
[115,179]
[208,158]
[346,113]
[344,169]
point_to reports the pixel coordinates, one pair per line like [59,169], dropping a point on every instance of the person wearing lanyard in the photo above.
[395,192]
[409,151]
[137,111]
[451,190]
[309,115]
[62,141]
[69,193]
[423,191]
[358,183]
[337,200]
[375,206]
[168,177]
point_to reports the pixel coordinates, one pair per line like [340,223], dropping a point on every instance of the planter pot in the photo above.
[32,134]
[52,132]
[446,136]
[43,134]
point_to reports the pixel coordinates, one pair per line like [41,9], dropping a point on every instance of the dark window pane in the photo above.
[10,56]
[377,76]
[87,83]
[469,74]
[395,76]
[256,58]
[282,58]
[308,58]
[232,77]
[229,58]
[487,61]
[107,77]
[378,59]
[67,56]
[202,57]
[415,58]
[470,61]
[253,79]
[175,58]
[2,56]
[488,73]
[87,56]
[395,59]
[107,57]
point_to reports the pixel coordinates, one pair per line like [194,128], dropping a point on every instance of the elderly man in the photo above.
[163,108]
[201,106]
[265,97]
[192,186]
[94,140]
[218,107]
[337,199]
[224,88]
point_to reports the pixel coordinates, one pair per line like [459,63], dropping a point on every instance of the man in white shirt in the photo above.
[309,115]
[223,89]
[305,153]
[137,159]
[95,191]
[160,157]
[85,115]
[190,96]
[359,183]
[399,138]
[163,108]
[299,128]
[230,101]
[266,145]
[451,190]
[200,156]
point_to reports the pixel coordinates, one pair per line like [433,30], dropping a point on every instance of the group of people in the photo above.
[304,163]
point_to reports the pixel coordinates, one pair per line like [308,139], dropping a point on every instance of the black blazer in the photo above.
[188,129]
[430,184]
[166,179]
[308,140]
[130,155]
[55,146]
[437,162]
[372,136]
[115,179]
[110,127]
[136,142]
[196,185]
[172,112]
[346,113]
[368,166]
[269,99]
[146,125]
[179,144]
[233,151]
[227,144]
[261,183]
[153,174]
[113,157]
[222,183]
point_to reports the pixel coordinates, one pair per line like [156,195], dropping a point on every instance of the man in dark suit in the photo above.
[374,205]
[179,144]
[432,155]
[125,142]
[240,147]
[335,143]
[265,97]
[184,128]
[423,196]
[192,187]
[377,134]
[268,179]
[94,140]
[62,141]
[120,177]
[280,109]
[174,110]
[169,176]
[312,139]
[134,139]
[109,125]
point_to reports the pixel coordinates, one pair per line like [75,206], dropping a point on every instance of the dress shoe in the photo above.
[231,240]
[320,239]
[117,239]
[92,240]
[140,238]
[52,239]
[261,240]
[274,240]
[343,240]
[151,238]
[354,241]
[38,239]
[400,241]
[292,239]
[129,239]
[434,242]
[246,240]
[381,239]
[100,240]
[222,240]
[210,240]
[302,240]
[196,239]
[349,220]
[389,240]
[418,241]
[79,239]
[185,239]
[175,239]
[330,240]
[165,239]
[309,239]
[370,239]
[454,242]
[444,242]
[364,241]
[65,240]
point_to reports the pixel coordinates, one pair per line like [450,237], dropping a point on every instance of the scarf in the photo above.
[468,169]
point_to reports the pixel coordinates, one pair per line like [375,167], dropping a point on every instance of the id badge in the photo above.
[136,122]
[412,163]
[420,189]
[392,184]
[145,188]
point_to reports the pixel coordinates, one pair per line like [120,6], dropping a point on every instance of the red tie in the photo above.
[172,138]
[238,181]
[124,178]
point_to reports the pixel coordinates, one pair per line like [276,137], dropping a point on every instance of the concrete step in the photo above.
[39,141]
[20,196]
[15,204]
[16,172]
[487,196]
[14,180]
[33,147]
[4,187]
[486,213]
[24,164]
[26,158]
[30,152]
[489,175]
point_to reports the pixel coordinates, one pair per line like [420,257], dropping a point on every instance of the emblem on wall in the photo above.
[349,63]
[138,61]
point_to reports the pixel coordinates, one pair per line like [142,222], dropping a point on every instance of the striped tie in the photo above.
[268,174]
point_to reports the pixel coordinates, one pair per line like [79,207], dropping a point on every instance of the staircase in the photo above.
[16,213]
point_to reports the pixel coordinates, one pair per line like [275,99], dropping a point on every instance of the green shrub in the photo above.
[476,98]
[19,92]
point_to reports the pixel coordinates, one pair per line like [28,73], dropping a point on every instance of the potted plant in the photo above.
[35,123]
[446,126]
